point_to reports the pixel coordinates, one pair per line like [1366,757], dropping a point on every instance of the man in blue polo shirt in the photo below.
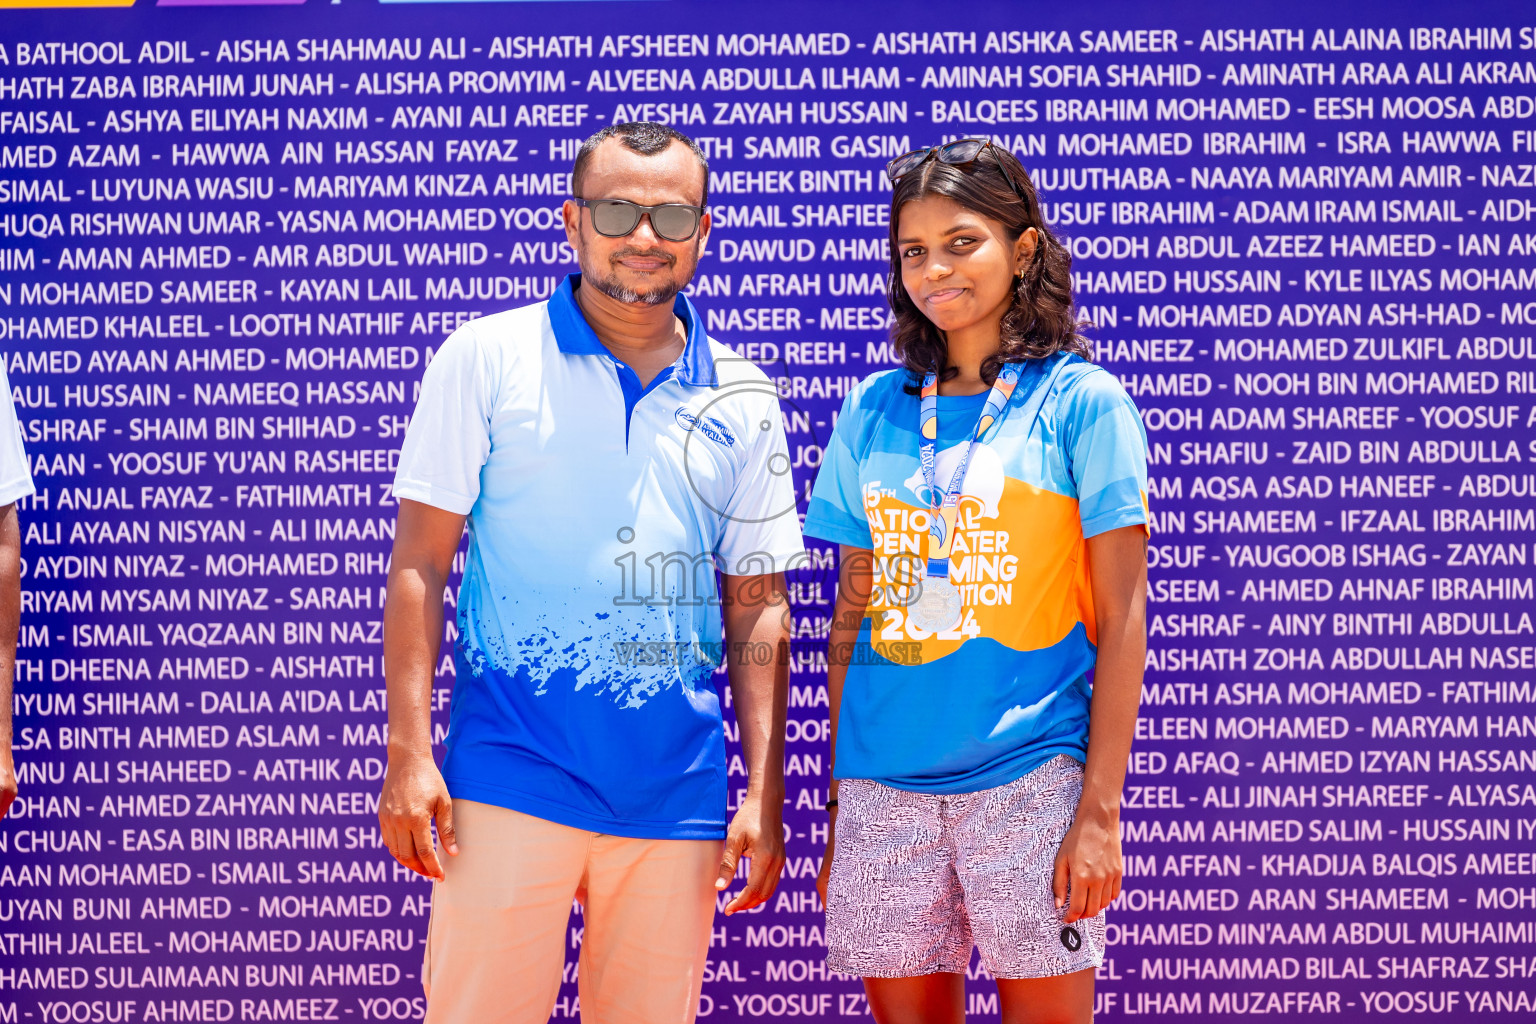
[608,457]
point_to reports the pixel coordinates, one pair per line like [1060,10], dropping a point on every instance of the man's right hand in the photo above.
[414,793]
[7,779]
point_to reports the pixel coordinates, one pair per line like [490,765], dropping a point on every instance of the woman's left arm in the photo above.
[1089,862]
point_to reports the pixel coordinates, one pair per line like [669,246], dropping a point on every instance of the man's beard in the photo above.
[610,286]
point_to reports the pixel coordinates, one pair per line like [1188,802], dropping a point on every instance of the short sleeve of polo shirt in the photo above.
[836,511]
[1105,448]
[761,532]
[449,438]
[15,476]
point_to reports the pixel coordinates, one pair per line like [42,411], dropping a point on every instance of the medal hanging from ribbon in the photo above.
[937,607]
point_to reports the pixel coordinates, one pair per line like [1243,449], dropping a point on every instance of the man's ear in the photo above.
[570,217]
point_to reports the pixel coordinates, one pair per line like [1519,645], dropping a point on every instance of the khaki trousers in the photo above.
[499,930]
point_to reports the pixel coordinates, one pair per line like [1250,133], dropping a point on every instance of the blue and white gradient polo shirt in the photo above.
[589,620]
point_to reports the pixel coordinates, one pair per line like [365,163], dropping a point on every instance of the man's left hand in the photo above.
[757,831]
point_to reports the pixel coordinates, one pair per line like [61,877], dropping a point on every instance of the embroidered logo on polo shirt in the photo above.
[709,426]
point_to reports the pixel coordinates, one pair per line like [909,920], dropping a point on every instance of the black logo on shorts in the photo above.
[1071,939]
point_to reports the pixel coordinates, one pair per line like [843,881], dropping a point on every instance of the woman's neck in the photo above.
[967,351]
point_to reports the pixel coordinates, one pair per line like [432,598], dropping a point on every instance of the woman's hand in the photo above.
[1088,867]
[826,858]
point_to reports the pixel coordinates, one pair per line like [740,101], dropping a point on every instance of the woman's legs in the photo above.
[940,999]
[926,999]
[1064,999]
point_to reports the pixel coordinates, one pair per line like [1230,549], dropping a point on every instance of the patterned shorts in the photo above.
[918,878]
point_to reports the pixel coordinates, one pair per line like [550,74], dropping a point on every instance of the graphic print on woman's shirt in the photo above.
[1007,688]
[1004,559]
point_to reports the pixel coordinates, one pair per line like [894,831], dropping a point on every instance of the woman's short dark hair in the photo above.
[1042,320]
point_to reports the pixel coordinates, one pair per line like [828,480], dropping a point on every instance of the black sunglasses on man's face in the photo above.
[616,218]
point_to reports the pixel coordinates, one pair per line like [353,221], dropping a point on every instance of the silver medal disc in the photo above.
[937,608]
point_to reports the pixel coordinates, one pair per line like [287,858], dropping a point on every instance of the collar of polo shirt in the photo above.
[575,336]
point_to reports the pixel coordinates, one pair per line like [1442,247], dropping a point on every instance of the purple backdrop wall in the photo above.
[230,239]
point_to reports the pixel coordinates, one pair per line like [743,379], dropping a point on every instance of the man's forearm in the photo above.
[10,609]
[413,627]
[10,622]
[7,670]
[413,794]
[757,651]
[761,696]
[760,692]
[10,616]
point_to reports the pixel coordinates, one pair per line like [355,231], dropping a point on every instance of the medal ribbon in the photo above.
[941,523]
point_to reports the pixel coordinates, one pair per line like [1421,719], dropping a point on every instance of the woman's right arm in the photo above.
[853,583]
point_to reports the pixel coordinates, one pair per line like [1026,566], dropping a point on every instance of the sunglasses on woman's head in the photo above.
[959,153]
[616,218]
